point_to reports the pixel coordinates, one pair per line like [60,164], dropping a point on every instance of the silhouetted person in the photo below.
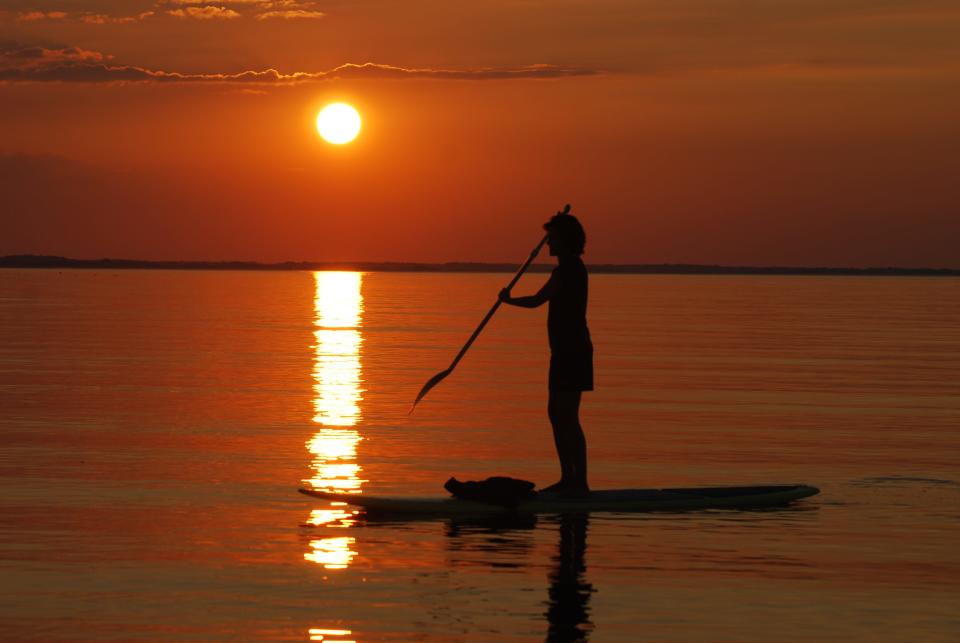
[571,352]
[568,611]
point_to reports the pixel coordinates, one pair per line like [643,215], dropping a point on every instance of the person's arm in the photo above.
[532,301]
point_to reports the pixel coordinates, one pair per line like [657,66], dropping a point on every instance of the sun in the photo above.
[338,123]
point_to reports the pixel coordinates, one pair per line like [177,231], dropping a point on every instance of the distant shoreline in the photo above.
[45,261]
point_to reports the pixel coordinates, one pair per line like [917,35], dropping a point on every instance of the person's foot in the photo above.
[564,489]
[557,488]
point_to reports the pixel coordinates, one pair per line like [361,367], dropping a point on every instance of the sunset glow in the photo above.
[827,130]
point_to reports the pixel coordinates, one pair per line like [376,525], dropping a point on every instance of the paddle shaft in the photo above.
[439,377]
[493,309]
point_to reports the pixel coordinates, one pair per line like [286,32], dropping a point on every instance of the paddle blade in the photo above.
[433,381]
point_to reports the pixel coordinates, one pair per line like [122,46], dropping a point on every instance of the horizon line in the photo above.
[55,261]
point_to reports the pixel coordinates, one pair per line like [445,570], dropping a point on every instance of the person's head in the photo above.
[565,235]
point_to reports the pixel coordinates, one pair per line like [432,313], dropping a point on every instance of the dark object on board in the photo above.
[497,490]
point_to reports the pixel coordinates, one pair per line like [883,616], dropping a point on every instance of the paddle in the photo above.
[436,379]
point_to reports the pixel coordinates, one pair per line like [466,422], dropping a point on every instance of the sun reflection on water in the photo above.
[318,634]
[332,553]
[337,389]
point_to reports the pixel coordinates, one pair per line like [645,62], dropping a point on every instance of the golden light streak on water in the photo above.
[337,376]
[319,634]
[334,445]
[332,553]
[337,515]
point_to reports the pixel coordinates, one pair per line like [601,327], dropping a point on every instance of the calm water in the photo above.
[154,427]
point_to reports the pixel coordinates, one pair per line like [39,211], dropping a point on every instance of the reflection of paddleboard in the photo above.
[608,500]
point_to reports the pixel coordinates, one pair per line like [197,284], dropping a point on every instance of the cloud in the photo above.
[291,14]
[86,16]
[196,9]
[105,19]
[37,64]
[268,6]
[208,12]
[102,19]
[376,70]
[32,16]
[39,57]
[223,2]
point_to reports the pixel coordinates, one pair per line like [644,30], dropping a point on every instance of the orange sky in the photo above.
[796,132]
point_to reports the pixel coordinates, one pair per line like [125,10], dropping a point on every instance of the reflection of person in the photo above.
[505,541]
[571,351]
[568,613]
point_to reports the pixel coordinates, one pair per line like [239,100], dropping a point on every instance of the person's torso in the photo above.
[567,311]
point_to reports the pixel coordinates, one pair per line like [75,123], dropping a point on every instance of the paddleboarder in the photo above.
[571,351]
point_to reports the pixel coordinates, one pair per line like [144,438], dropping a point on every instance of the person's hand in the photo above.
[505,295]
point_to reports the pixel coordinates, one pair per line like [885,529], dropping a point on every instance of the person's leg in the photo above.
[575,442]
[564,410]
[556,422]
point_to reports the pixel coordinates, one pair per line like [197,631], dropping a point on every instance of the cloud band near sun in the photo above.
[212,10]
[38,64]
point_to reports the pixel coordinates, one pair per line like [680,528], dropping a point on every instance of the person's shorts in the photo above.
[571,371]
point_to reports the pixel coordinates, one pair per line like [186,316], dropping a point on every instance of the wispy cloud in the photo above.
[28,58]
[225,2]
[261,9]
[33,16]
[105,19]
[196,9]
[83,16]
[38,64]
[291,14]
[377,70]
[208,12]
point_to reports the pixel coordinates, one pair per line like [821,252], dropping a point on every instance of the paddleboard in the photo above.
[625,500]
